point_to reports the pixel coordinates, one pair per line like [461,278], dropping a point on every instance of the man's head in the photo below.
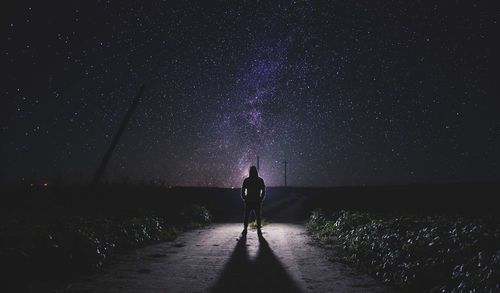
[253,172]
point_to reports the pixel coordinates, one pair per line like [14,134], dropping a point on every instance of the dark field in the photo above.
[53,233]
[441,239]
[225,204]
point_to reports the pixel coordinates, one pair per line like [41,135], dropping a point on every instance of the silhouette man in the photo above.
[253,193]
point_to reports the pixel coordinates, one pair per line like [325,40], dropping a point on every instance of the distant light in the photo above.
[232,187]
[31,184]
[170,187]
[45,185]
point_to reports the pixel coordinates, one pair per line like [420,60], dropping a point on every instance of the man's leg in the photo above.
[247,214]
[257,213]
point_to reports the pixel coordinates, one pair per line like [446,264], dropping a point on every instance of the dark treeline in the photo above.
[225,204]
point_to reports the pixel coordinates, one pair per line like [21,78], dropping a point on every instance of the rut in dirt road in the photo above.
[218,259]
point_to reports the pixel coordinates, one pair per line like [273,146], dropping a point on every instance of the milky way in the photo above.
[365,92]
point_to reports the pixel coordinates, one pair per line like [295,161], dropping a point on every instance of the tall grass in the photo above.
[419,253]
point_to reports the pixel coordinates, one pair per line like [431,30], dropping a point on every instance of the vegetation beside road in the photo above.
[55,235]
[417,253]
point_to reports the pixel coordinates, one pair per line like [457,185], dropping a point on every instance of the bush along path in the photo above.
[41,249]
[416,253]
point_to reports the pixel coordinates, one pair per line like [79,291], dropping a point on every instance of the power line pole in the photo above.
[285,172]
[115,140]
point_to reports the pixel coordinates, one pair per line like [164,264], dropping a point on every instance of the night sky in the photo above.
[348,92]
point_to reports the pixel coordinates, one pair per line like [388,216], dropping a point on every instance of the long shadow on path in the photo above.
[265,273]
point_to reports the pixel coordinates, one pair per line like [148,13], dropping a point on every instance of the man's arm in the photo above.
[243,195]
[263,188]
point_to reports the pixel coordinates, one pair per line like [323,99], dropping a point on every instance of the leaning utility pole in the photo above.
[285,172]
[115,140]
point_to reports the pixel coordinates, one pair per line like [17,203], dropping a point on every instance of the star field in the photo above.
[364,92]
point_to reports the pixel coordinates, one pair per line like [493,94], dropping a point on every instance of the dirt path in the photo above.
[219,259]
